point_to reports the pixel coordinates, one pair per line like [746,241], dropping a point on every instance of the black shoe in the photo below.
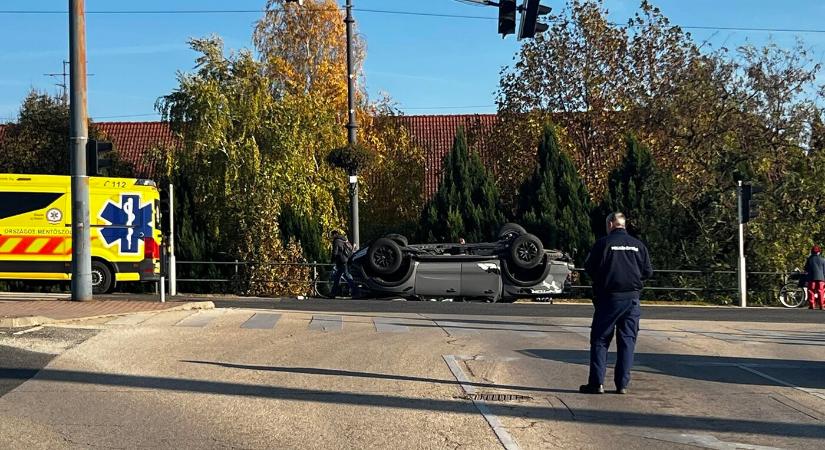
[622,391]
[591,389]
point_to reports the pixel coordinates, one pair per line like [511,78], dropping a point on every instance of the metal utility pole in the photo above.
[743,291]
[78,136]
[64,86]
[351,125]
[173,271]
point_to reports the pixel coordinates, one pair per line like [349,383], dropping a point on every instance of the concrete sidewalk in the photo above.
[15,314]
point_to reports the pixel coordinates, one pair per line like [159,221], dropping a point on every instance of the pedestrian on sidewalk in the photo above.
[815,270]
[341,252]
[618,263]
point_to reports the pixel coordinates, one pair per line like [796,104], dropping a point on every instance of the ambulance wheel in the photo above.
[102,279]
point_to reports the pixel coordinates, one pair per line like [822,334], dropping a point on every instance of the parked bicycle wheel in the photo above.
[792,295]
[323,288]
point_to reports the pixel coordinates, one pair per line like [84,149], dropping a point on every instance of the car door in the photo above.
[481,279]
[438,278]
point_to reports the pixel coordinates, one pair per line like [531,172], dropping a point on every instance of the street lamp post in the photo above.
[351,125]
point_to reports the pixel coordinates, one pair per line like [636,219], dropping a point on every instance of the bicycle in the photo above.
[794,294]
[322,285]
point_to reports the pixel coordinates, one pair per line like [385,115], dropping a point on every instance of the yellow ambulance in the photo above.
[36,234]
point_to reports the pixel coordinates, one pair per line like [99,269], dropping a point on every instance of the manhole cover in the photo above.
[489,397]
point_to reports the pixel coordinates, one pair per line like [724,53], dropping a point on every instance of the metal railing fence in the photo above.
[718,286]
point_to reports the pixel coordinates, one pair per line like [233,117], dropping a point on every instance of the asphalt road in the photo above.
[247,378]
[24,353]
[713,314]
[19,365]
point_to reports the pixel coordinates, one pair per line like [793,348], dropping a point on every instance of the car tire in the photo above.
[526,251]
[508,229]
[102,279]
[400,239]
[384,256]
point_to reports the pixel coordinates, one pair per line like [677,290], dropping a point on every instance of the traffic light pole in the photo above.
[78,136]
[173,270]
[743,294]
[351,125]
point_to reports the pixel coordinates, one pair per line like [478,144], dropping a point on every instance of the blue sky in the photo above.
[429,65]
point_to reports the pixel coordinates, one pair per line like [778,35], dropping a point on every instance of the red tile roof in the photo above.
[433,133]
[133,141]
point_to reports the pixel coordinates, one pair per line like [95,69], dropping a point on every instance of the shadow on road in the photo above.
[720,369]
[378,376]
[536,411]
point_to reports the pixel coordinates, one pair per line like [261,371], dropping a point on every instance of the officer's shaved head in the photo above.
[615,220]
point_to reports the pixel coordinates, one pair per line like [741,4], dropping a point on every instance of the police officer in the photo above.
[617,264]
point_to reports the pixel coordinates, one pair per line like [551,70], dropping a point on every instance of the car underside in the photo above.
[515,266]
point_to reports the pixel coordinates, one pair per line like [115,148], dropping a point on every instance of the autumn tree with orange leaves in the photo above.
[303,49]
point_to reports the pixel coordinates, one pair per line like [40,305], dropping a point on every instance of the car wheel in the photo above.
[508,230]
[526,251]
[102,280]
[400,239]
[384,256]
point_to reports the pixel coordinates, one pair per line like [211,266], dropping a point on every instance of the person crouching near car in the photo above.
[617,264]
[815,268]
[341,251]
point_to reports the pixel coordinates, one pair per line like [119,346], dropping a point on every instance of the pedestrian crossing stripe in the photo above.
[333,323]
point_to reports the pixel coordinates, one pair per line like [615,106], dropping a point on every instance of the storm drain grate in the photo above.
[490,397]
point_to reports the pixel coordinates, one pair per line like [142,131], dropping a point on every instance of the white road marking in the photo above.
[387,325]
[131,319]
[261,321]
[813,392]
[454,328]
[498,428]
[704,441]
[326,323]
[28,330]
[201,318]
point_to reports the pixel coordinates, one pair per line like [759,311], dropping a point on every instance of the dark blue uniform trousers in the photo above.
[622,317]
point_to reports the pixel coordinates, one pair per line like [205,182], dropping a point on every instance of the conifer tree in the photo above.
[645,195]
[554,203]
[629,188]
[467,202]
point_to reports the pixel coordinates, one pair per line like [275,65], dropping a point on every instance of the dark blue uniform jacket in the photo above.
[617,264]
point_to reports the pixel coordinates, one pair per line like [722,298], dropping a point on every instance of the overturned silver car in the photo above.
[516,266]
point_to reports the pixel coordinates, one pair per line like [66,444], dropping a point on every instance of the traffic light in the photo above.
[748,205]
[506,17]
[530,12]
[96,157]
[163,211]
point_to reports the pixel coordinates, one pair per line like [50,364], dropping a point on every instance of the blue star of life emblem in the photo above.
[128,223]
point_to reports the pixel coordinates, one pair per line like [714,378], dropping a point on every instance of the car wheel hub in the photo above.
[384,258]
[527,251]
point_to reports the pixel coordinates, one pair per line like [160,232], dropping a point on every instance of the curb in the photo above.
[33,321]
